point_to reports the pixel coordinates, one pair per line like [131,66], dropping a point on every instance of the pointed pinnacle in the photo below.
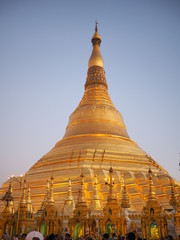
[96,29]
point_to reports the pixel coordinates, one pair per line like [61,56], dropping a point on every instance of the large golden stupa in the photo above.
[95,146]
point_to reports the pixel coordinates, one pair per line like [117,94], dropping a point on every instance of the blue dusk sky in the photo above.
[44,52]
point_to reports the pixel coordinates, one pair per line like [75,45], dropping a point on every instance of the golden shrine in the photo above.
[100,179]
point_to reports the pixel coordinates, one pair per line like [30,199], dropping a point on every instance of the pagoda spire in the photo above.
[81,208]
[122,188]
[96,74]
[112,207]
[51,194]
[8,195]
[10,188]
[8,198]
[96,113]
[151,195]
[96,204]
[111,194]
[69,196]
[28,202]
[23,198]
[11,203]
[69,204]
[173,199]
[96,58]
[46,196]
[81,195]
[125,200]
[96,26]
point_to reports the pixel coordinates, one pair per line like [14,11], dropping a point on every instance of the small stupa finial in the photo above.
[96,205]
[96,29]
[28,201]
[96,58]
[51,193]
[151,195]
[110,183]
[82,195]
[125,199]
[173,198]
[23,197]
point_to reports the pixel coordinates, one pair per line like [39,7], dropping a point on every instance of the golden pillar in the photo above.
[11,233]
[51,227]
[72,231]
[48,228]
[83,232]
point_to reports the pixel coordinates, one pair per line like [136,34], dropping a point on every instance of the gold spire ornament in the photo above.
[154,218]
[81,196]
[125,200]
[173,198]
[69,203]
[151,195]
[80,213]
[8,198]
[69,195]
[23,198]
[28,202]
[111,194]
[96,205]
[96,58]
[8,195]
[46,196]
[51,194]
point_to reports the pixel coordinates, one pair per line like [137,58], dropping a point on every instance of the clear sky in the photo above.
[44,52]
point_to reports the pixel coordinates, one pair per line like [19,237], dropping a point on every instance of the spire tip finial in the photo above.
[96,26]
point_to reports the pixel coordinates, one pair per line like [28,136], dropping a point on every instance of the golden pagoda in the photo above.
[95,140]
[8,211]
[79,222]
[113,219]
[96,210]
[48,221]
[154,219]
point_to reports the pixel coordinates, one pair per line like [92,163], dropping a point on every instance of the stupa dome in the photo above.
[95,139]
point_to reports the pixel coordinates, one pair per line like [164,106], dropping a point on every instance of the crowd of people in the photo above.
[129,236]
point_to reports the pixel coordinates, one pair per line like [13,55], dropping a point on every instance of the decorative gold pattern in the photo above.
[96,75]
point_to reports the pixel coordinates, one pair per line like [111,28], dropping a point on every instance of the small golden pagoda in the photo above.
[25,216]
[113,219]
[79,222]
[175,214]
[48,219]
[154,219]
[68,209]
[96,210]
[95,140]
[46,196]
[125,200]
[22,220]
[8,211]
